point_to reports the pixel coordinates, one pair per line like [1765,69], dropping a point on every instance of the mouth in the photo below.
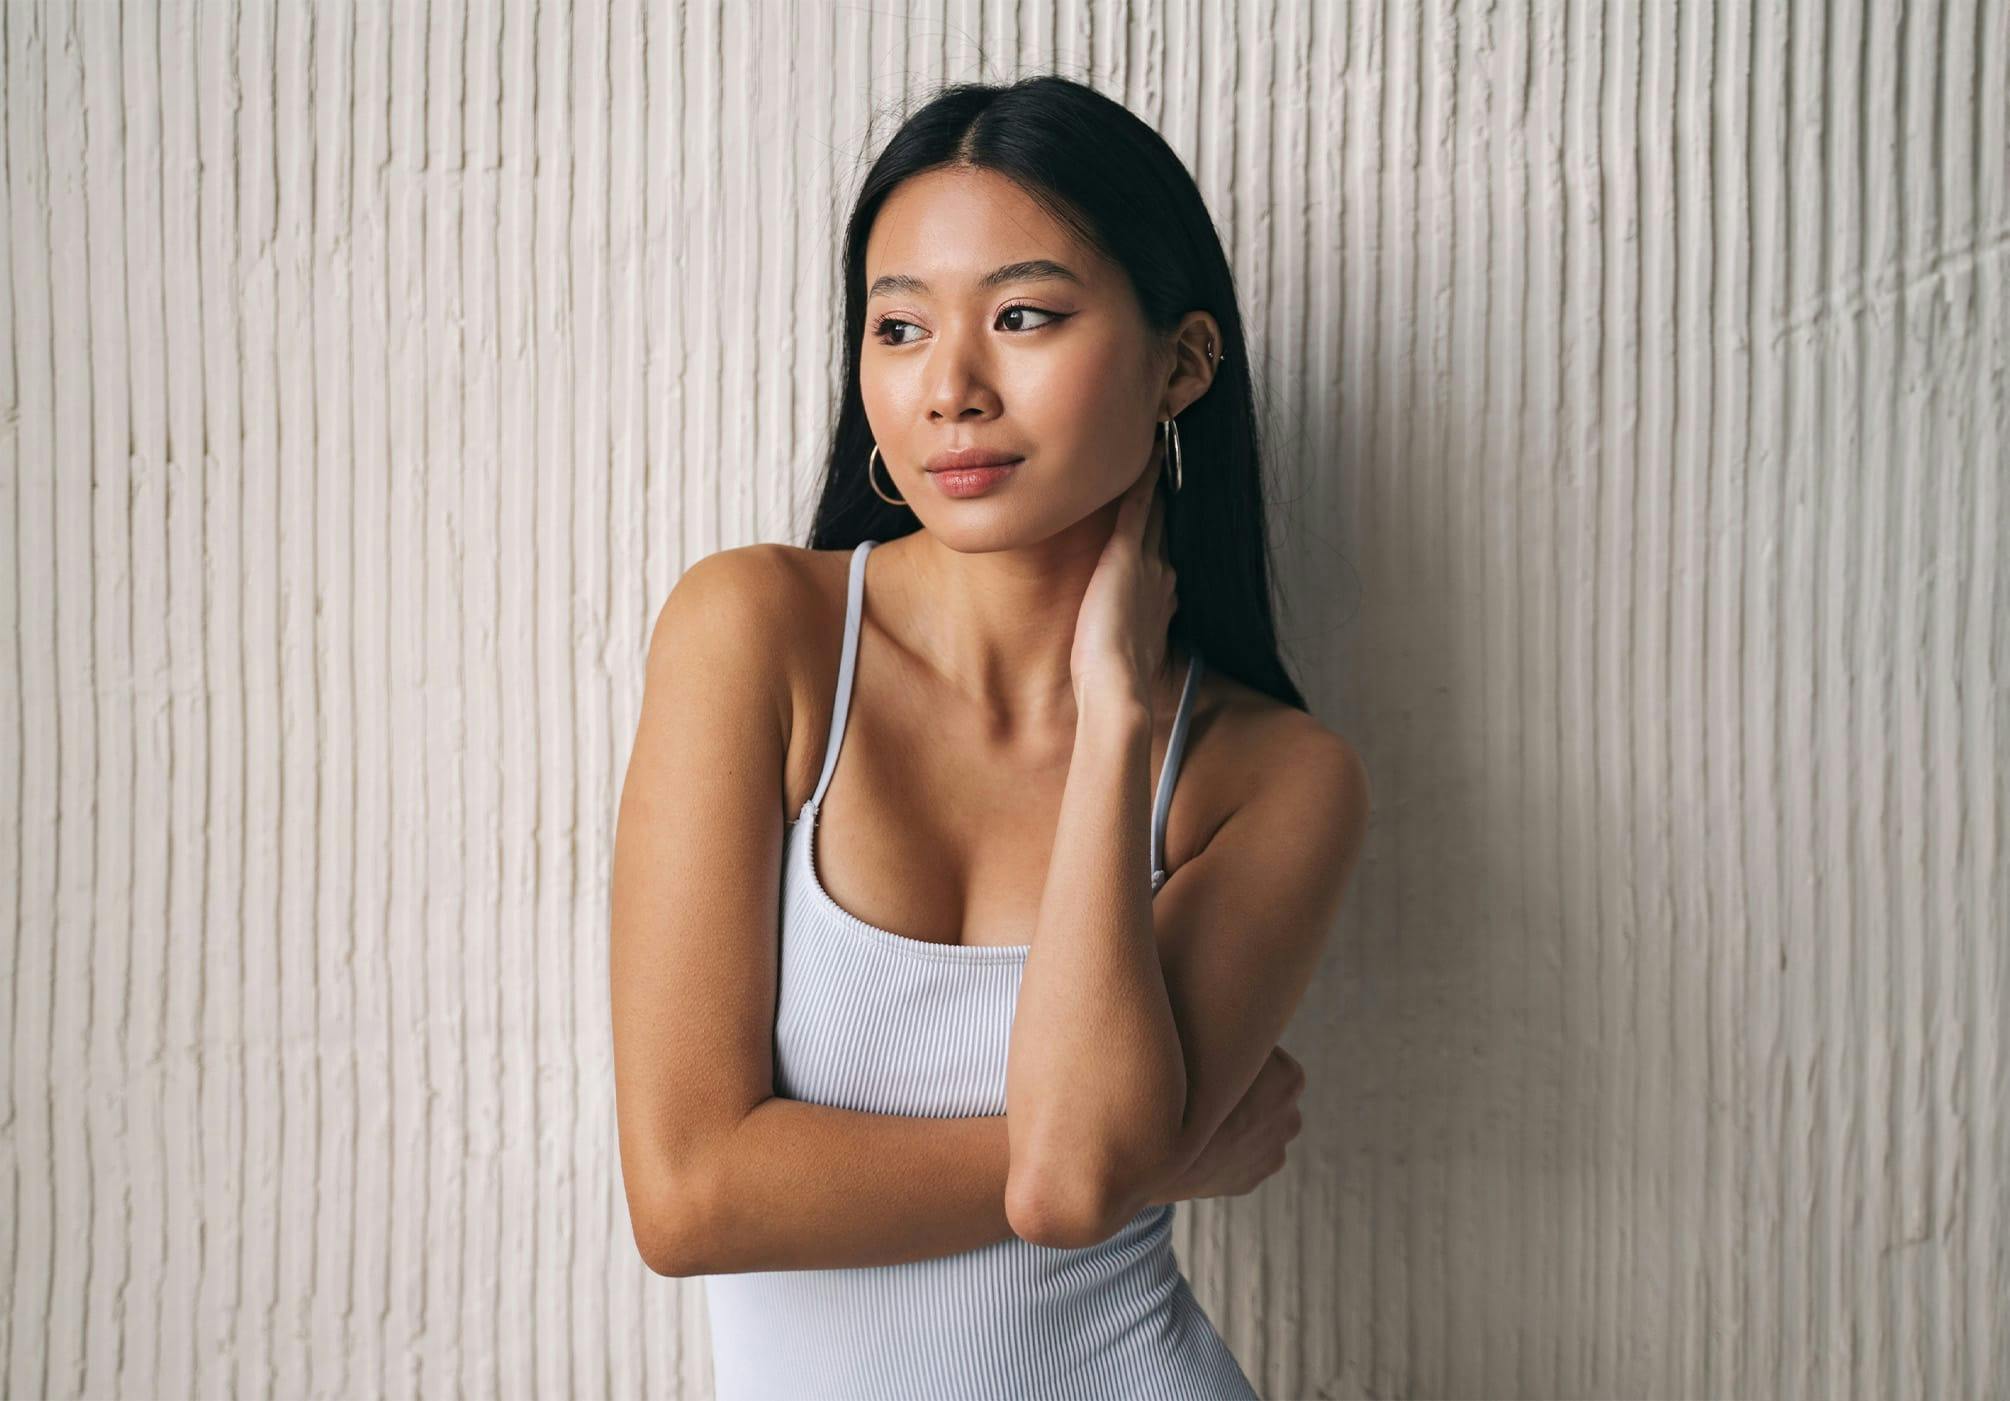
[950,459]
[972,481]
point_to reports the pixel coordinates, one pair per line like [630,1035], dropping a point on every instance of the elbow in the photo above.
[1066,1218]
[1086,1193]
[668,1252]
[1042,1222]
[670,1223]
[1080,1204]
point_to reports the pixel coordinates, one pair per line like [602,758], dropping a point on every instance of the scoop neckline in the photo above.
[887,938]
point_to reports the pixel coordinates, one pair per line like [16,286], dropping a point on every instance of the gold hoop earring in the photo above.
[871,458]
[1172,451]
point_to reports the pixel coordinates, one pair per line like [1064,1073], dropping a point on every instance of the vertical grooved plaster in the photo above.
[1637,382]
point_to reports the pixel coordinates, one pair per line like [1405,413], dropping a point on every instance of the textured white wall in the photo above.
[1642,384]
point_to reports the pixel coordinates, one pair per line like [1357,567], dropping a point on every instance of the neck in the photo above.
[998,626]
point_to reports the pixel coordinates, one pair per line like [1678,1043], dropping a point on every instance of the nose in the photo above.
[958,367]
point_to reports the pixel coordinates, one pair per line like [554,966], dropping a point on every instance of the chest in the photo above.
[932,855]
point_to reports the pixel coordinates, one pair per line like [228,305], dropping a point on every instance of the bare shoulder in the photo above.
[758,584]
[753,604]
[769,618]
[1261,753]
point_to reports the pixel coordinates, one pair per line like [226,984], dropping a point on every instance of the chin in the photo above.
[971,532]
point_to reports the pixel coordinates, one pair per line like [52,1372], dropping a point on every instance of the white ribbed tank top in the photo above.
[871,1020]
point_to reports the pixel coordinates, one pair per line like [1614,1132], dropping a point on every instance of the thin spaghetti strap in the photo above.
[854,611]
[1169,768]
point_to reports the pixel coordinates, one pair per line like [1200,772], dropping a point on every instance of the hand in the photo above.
[1120,628]
[1250,1144]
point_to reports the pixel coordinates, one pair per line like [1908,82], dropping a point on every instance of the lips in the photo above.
[971,481]
[965,459]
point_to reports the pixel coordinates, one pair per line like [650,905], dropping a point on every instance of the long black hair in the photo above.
[1110,179]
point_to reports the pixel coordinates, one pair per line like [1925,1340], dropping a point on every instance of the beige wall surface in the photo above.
[1638,377]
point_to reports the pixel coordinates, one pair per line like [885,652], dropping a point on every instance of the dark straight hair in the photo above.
[1110,179]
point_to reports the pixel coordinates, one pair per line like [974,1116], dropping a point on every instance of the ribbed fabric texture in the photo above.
[872,1020]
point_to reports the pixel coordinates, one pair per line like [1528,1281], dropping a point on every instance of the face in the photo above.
[1049,362]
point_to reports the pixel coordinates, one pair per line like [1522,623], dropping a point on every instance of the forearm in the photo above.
[1095,1078]
[806,1186]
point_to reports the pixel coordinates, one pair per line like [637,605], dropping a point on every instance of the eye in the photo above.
[1022,307]
[883,328]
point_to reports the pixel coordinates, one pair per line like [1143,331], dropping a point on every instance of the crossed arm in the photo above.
[796,1185]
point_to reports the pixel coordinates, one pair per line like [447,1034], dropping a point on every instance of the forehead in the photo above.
[949,227]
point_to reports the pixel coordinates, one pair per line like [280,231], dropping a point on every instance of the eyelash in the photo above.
[879,327]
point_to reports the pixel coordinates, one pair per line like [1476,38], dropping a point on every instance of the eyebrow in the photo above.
[1029,270]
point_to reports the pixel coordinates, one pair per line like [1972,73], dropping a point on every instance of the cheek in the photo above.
[892,409]
[1083,413]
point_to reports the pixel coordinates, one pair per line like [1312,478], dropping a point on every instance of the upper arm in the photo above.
[695,885]
[1242,925]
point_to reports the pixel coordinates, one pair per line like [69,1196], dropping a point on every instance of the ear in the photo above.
[1196,354]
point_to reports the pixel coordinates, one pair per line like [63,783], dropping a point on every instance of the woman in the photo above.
[928,1141]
